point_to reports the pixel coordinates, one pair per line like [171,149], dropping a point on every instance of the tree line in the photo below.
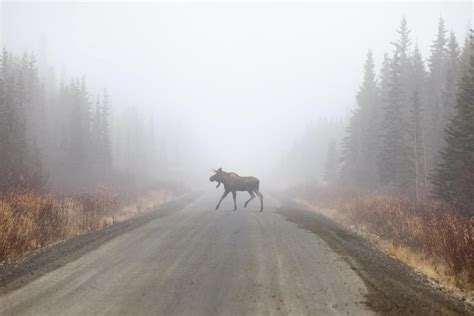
[58,136]
[412,131]
[305,159]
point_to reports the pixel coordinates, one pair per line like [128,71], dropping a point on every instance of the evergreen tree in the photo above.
[452,77]
[104,126]
[18,145]
[330,172]
[350,151]
[368,100]
[385,81]
[3,121]
[465,58]
[42,122]
[384,87]
[360,147]
[434,122]
[417,142]
[453,179]
[79,145]
[96,136]
[395,164]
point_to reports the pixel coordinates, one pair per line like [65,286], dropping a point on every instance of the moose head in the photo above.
[217,176]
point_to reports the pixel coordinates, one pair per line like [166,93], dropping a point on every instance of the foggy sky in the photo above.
[242,79]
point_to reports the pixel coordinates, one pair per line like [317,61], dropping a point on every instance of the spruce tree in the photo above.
[96,138]
[330,172]
[395,164]
[350,151]
[417,143]
[465,58]
[384,88]
[3,122]
[50,124]
[434,121]
[368,100]
[453,179]
[384,80]
[19,144]
[360,148]
[106,151]
[452,76]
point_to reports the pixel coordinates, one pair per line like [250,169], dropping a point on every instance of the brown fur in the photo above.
[233,183]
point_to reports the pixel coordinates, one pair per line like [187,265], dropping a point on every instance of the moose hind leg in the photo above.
[252,196]
[260,196]
[234,195]
[222,197]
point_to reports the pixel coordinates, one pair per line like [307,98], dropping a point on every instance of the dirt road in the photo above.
[193,260]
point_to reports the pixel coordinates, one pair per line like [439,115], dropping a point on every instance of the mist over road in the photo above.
[200,261]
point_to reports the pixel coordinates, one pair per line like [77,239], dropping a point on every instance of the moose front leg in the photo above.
[222,197]
[234,195]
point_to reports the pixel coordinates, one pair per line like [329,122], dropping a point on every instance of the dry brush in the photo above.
[428,229]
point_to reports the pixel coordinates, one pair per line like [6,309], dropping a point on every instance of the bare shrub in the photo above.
[429,228]
[29,220]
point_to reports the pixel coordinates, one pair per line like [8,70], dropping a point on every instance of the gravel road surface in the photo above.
[185,258]
[198,261]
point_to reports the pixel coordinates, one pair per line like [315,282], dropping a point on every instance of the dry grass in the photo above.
[434,269]
[428,236]
[30,221]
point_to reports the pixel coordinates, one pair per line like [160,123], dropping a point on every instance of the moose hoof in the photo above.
[235,209]
[261,210]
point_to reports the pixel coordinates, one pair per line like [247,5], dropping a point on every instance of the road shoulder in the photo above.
[393,288]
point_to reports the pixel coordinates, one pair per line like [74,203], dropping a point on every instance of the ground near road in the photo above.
[186,258]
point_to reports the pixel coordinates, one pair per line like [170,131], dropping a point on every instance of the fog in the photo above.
[236,83]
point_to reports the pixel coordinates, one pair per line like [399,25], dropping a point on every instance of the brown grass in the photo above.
[428,236]
[29,221]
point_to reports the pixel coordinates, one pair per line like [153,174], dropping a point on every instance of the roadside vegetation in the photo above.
[429,236]
[29,221]
[403,174]
[69,163]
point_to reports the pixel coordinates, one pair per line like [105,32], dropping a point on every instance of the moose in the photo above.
[233,183]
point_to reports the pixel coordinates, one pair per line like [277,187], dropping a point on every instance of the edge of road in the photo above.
[19,272]
[393,288]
